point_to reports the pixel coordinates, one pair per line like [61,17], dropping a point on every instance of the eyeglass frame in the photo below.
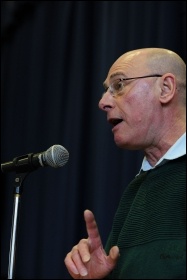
[127,79]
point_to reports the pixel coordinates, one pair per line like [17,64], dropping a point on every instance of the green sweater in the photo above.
[150,225]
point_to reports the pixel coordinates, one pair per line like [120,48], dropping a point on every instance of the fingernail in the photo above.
[83,272]
[86,258]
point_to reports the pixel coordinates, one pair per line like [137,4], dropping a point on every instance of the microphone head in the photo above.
[56,156]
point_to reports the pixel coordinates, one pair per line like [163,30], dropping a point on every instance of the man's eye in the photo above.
[118,86]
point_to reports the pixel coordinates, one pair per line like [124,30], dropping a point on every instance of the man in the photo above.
[145,101]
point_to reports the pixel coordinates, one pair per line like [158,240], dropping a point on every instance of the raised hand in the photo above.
[88,260]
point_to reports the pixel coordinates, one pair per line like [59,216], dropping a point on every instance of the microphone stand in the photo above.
[17,196]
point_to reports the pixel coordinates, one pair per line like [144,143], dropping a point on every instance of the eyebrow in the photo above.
[112,76]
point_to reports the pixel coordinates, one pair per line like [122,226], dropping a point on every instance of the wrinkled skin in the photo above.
[88,260]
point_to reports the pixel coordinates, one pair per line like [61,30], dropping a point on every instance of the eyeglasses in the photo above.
[118,85]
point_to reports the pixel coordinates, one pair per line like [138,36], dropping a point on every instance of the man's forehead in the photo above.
[126,65]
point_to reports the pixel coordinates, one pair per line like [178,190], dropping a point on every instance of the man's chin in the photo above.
[119,142]
[124,144]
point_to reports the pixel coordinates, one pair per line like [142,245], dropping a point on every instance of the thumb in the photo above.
[113,256]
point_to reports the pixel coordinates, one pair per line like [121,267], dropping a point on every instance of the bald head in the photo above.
[144,100]
[160,61]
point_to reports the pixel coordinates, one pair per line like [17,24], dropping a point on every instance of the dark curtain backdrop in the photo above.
[55,56]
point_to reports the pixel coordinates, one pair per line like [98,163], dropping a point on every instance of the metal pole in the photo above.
[17,196]
[12,252]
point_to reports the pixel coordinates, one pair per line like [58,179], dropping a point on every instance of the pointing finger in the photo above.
[92,229]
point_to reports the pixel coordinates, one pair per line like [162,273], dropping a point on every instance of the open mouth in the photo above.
[115,122]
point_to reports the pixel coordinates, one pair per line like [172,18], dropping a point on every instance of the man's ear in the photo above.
[168,88]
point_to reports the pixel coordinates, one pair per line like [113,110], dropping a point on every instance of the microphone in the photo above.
[55,156]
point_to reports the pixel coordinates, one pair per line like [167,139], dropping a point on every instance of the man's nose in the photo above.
[105,102]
